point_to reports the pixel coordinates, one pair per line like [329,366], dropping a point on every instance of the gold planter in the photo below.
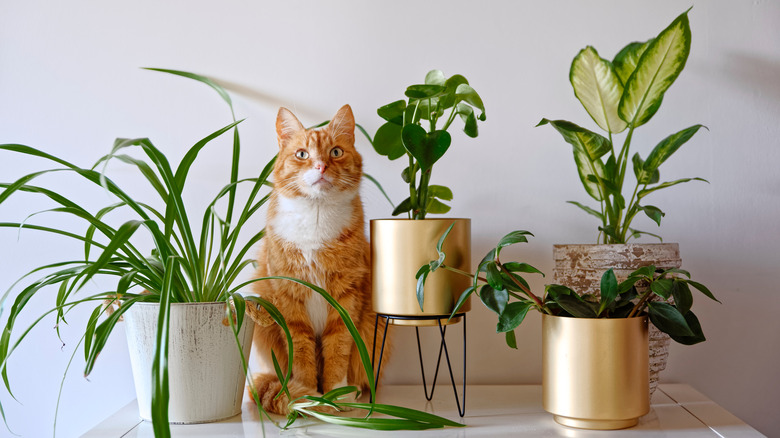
[399,247]
[594,371]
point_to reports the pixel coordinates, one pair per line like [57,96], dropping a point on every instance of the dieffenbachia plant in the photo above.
[622,95]
[439,99]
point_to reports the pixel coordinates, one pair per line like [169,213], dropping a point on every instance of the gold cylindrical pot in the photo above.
[594,371]
[399,247]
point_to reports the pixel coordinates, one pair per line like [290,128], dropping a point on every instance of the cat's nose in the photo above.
[321,166]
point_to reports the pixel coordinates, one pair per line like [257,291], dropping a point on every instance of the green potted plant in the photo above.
[594,348]
[188,275]
[417,128]
[620,96]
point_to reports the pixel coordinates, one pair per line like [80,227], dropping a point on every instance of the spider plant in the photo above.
[185,264]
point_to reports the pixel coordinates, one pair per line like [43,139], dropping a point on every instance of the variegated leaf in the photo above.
[656,70]
[598,88]
[626,60]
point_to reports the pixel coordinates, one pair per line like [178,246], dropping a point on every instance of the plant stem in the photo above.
[461,272]
[641,304]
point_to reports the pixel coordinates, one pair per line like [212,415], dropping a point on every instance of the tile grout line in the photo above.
[692,414]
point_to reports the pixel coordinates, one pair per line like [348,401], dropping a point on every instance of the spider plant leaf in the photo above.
[656,70]
[221,91]
[160,389]
[598,88]
[402,412]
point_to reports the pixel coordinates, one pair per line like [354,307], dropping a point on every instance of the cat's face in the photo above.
[316,163]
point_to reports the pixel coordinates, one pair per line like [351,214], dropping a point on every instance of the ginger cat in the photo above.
[314,232]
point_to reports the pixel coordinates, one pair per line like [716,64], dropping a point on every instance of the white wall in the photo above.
[70,83]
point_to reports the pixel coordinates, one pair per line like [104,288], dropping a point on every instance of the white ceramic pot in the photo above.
[206,377]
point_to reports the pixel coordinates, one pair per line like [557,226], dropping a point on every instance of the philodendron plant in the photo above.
[413,129]
[502,289]
[622,95]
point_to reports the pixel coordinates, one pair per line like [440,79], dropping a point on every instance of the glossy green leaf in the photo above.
[598,88]
[521,267]
[393,112]
[642,193]
[435,206]
[668,319]
[494,276]
[423,91]
[469,95]
[403,207]
[442,239]
[440,192]
[657,69]
[495,300]
[702,288]
[462,299]
[588,149]
[576,306]
[435,77]
[425,147]
[511,339]
[517,236]
[683,299]
[469,119]
[695,327]
[387,141]
[653,213]
[626,60]
[662,287]
[609,290]
[512,316]
[644,175]
[588,210]
[668,146]
[421,276]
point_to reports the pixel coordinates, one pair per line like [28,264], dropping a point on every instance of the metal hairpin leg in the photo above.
[460,402]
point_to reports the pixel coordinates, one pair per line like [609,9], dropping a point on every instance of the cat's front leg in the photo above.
[304,353]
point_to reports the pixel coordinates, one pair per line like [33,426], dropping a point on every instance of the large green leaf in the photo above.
[425,147]
[609,289]
[668,319]
[598,88]
[393,112]
[387,141]
[657,69]
[626,60]
[512,316]
[588,147]
[667,147]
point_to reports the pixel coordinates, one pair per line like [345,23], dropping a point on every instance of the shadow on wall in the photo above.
[266,98]
[756,74]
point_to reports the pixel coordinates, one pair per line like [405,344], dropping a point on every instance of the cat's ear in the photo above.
[287,125]
[343,123]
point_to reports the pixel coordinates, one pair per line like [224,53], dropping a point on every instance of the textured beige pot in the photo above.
[206,377]
[399,247]
[594,371]
[580,267]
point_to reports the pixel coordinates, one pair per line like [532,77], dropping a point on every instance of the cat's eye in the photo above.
[336,152]
[301,154]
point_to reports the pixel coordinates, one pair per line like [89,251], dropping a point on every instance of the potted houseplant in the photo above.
[594,348]
[185,283]
[417,129]
[620,96]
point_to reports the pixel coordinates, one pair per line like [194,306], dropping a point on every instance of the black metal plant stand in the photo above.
[461,403]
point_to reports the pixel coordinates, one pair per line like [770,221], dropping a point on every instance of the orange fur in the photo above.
[315,232]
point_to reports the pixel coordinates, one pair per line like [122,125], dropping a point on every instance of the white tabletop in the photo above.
[491,411]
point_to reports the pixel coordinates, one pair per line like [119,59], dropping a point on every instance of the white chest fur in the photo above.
[310,224]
